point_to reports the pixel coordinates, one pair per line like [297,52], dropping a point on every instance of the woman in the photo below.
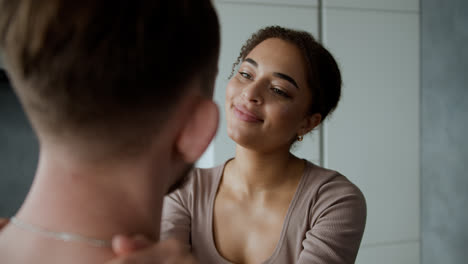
[266,205]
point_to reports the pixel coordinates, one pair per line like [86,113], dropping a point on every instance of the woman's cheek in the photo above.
[230,90]
[286,111]
[287,115]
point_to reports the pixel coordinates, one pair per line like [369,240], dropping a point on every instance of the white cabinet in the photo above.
[288,3]
[373,137]
[395,253]
[379,5]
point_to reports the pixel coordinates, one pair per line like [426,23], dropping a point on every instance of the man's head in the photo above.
[108,72]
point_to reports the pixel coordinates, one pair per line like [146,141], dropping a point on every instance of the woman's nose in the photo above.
[253,93]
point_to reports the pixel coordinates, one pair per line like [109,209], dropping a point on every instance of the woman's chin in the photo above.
[257,142]
[244,139]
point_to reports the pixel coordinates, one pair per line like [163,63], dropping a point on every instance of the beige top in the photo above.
[324,223]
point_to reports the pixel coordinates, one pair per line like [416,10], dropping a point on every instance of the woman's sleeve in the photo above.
[337,221]
[176,216]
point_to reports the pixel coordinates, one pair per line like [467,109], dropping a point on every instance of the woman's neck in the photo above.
[253,171]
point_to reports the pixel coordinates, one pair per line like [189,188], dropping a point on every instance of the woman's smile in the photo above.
[244,114]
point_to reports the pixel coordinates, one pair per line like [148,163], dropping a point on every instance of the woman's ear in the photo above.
[198,131]
[309,123]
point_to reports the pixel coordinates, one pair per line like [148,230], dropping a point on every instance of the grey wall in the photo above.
[18,153]
[444,131]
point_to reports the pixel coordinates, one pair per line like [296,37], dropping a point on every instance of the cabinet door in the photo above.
[373,137]
[238,22]
[379,5]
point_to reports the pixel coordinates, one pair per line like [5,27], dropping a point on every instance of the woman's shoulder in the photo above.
[330,184]
[206,175]
[201,181]
[206,172]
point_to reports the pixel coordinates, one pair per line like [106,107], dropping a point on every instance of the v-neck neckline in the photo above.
[279,244]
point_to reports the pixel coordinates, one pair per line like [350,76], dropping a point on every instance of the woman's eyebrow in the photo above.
[277,74]
[251,61]
[287,78]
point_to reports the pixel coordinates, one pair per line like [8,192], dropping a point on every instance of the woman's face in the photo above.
[267,101]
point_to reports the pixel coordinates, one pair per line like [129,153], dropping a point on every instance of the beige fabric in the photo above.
[324,223]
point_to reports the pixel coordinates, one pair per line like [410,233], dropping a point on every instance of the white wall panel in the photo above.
[373,137]
[399,253]
[238,22]
[272,2]
[391,5]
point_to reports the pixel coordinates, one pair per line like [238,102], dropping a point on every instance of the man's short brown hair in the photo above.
[106,66]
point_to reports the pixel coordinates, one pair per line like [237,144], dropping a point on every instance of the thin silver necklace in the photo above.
[62,236]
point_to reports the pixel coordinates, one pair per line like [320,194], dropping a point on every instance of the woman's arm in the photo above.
[336,232]
[176,219]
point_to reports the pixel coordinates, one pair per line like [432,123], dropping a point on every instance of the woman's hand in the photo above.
[140,250]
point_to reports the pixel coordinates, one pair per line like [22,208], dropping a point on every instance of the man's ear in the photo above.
[198,131]
[309,123]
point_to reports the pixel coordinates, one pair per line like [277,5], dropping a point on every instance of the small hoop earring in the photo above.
[300,138]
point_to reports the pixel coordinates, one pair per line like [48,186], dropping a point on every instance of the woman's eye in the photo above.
[245,75]
[280,92]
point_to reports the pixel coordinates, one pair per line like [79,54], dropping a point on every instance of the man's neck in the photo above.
[94,201]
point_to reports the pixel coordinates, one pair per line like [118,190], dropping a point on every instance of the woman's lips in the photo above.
[243,114]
